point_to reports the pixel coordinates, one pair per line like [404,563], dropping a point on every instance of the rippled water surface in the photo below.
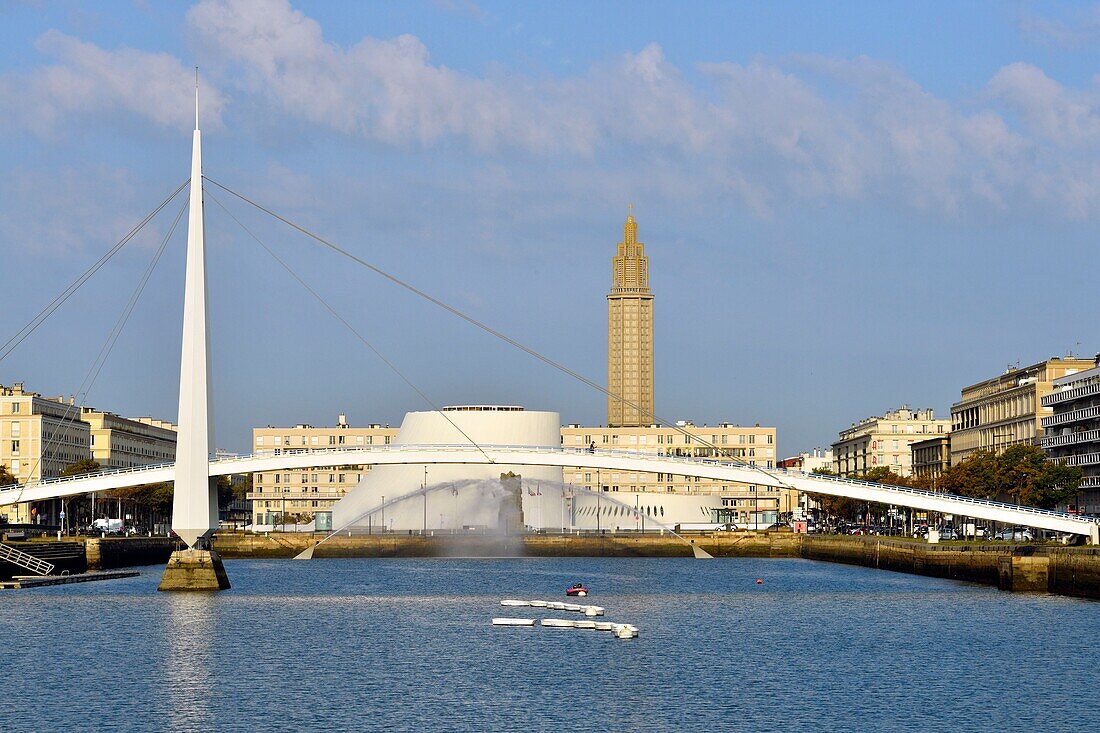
[407,645]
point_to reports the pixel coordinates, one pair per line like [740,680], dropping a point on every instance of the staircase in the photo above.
[25,560]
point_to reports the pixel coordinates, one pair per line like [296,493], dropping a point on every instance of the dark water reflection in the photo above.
[406,645]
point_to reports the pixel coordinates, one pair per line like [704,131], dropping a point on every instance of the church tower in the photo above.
[630,333]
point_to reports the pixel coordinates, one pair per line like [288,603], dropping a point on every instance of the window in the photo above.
[305,478]
[341,440]
[387,440]
[771,438]
[15,447]
[259,440]
[752,439]
[332,478]
[15,408]
[332,440]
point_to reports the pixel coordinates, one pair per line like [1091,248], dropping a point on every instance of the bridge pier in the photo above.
[194,570]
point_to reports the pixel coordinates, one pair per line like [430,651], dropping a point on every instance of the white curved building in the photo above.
[470,496]
[458,496]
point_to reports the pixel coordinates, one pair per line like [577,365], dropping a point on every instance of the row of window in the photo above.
[307,478]
[666,439]
[317,440]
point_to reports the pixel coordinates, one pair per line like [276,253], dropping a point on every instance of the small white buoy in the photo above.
[582,594]
[558,623]
[593,611]
[507,602]
[584,624]
[624,633]
[513,622]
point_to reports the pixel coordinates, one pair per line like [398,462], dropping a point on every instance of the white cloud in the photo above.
[86,80]
[765,133]
[768,134]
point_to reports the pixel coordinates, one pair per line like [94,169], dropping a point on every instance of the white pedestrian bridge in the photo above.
[732,472]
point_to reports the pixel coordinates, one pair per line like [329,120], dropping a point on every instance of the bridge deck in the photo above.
[731,472]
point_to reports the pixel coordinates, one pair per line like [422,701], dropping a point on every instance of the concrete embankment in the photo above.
[124,552]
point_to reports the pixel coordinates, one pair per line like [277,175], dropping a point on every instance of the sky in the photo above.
[847,206]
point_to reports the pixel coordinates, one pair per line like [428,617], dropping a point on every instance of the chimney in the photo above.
[342,420]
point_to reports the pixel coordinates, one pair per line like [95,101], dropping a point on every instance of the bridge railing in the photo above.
[775,473]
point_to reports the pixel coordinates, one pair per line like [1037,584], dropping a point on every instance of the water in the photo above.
[406,645]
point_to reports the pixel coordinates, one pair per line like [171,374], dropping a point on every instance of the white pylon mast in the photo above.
[195,501]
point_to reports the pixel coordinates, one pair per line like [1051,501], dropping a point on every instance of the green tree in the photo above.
[1027,477]
[6,479]
[976,476]
[84,465]
[1022,475]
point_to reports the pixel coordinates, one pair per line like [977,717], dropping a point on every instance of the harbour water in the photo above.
[398,645]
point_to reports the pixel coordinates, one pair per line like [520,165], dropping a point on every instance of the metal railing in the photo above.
[1085,436]
[775,474]
[25,560]
[1063,418]
[1076,393]
[1085,459]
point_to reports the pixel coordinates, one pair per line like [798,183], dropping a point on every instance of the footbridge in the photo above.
[732,472]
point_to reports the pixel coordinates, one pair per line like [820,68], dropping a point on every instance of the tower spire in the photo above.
[196,97]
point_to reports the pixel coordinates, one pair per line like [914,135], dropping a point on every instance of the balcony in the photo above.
[1057,441]
[1068,395]
[1065,418]
[1090,482]
[1085,459]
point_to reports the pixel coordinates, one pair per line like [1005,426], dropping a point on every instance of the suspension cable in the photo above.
[73,415]
[351,328]
[12,343]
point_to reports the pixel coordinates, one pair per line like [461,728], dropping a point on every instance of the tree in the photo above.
[6,479]
[1027,477]
[1022,475]
[84,465]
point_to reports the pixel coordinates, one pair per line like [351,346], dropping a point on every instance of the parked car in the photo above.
[1015,534]
[948,533]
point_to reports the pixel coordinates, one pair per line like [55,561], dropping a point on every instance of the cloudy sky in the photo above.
[847,206]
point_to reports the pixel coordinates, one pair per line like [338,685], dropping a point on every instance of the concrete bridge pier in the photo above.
[194,570]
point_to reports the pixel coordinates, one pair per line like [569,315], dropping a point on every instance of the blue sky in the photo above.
[847,206]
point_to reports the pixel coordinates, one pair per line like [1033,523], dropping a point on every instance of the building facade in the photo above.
[630,334]
[931,456]
[122,442]
[732,503]
[883,441]
[1008,409]
[39,438]
[1072,431]
[42,436]
[309,491]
